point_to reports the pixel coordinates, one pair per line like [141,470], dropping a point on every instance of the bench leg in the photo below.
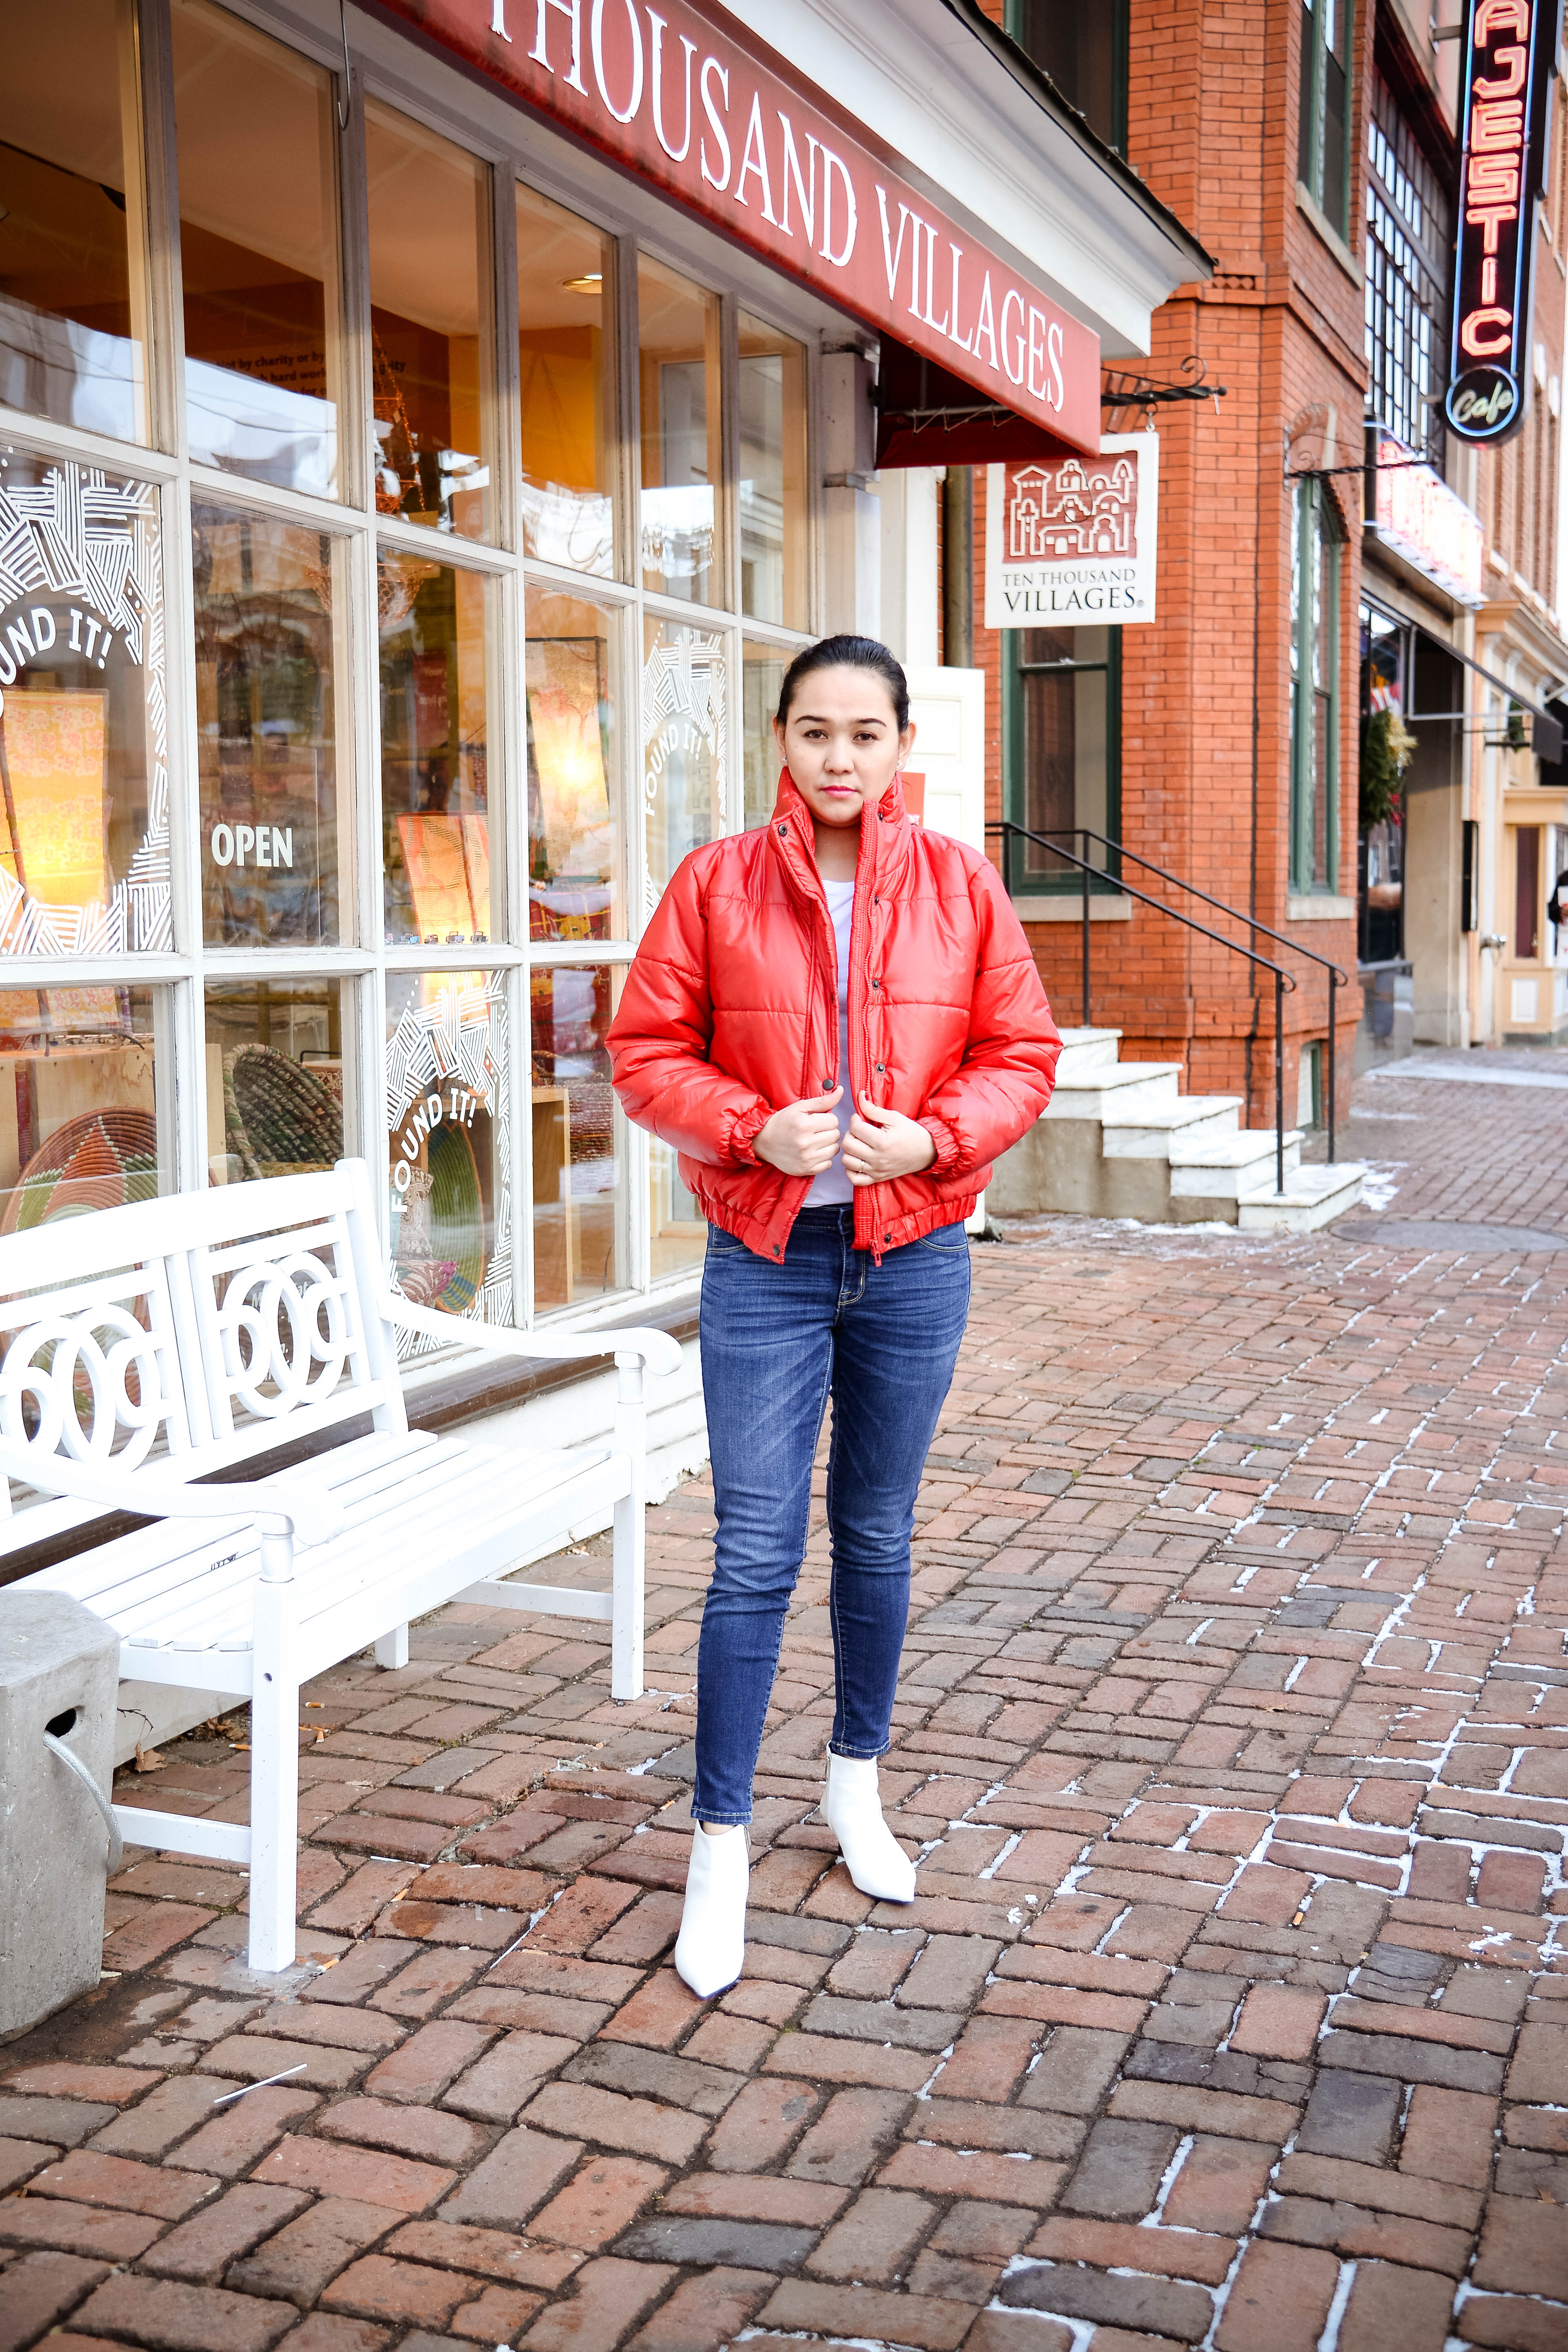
[274,1773]
[631,1526]
[392,1650]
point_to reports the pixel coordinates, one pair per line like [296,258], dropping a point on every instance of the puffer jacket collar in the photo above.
[884,846]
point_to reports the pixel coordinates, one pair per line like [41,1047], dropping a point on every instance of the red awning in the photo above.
[927,417]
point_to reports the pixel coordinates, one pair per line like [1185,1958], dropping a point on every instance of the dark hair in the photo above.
[848,653]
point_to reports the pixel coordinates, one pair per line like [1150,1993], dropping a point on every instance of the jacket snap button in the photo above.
[881,1069]
[775,1249]
[876,984]
[784,832]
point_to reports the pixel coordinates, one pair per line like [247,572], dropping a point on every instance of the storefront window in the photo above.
[78,1116]
[270,599]
[1386,748]
[1084,50]
[565,352]
[72,293]
[684,720]
[450,1138]
[678,327]
[429,325]
[772,475]
[1063,727]
[258,252]
[1314,692]
[763,670]
[84,854]
[578,1176]
[275,1078]
[435,777]
[1324,119]
[575,860]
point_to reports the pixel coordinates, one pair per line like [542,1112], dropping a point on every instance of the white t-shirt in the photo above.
[833,1188]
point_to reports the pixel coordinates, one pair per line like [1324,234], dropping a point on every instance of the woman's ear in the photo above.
[906,744]
[778,732]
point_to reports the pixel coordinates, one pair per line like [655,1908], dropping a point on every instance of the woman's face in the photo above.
[841,742]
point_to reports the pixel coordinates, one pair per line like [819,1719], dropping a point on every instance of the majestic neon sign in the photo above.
[1510,47]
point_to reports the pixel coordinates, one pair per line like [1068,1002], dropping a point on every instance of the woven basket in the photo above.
[279,1119]
[98,1160]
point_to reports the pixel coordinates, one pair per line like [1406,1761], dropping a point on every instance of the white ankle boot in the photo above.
[852,1809]
[711,1946]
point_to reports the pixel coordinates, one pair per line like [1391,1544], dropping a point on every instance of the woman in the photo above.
[836,1149]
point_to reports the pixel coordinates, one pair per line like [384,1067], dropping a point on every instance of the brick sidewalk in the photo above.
[1232,1735]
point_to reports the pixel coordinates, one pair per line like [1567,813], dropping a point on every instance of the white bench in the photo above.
[145,1347]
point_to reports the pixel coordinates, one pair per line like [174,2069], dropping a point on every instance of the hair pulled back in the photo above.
[848,653]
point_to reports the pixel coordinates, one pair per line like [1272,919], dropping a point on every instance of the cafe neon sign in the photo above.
[1510,48]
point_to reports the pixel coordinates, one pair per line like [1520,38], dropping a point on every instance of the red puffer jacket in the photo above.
[730,1010]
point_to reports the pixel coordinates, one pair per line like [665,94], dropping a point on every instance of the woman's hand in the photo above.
[883,1144]
[800,1139]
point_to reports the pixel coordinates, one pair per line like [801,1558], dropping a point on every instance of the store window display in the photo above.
[78,1127]
[269,617]
[565,362]
[577,1158]
[72,269]
[258,252]
[449,1142]
[678,327]
[575,863]
[429,325]
[435,773]
[275,1078]
[84,848]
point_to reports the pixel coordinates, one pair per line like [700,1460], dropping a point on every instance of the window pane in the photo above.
[435,784]
[78,1124]
[275,1078]
[270,599]
[1077,46]
[579,1170]
[762,669]
[1306,142]
[678,327]
[258,252]
[683,750]
[576,861]
[566,365]
[71,301]
[772,475]
[84,851]
[677,1227]
[428,256]
[1063,716]
[450,1142]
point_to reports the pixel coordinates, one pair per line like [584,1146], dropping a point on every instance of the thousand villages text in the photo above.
[777,183]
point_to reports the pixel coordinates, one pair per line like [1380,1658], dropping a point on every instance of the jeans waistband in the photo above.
[841,1214]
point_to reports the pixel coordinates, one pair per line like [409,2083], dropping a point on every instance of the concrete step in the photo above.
[1219,1172]
[1313,1196]
[1189,1122]
[1085,1049]
[1118,1087]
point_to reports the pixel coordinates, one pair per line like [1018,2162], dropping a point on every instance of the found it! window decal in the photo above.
[1505,93]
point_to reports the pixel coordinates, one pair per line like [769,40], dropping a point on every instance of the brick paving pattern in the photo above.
[1232,2012]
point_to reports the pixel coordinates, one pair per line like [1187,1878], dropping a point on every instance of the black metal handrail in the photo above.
[1338,976]
[1282,979]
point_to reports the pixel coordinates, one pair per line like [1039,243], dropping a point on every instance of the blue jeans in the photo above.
[778,1339]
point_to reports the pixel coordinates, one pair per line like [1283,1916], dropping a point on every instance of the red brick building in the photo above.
[1222,741]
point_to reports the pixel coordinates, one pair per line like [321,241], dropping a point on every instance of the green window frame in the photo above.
[1323,152]
[1084,728]
[1084,50]
[1315,573]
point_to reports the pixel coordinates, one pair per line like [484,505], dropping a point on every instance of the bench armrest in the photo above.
[656,1349]
[283,1505]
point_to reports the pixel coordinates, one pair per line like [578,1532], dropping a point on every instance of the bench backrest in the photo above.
[204,1327]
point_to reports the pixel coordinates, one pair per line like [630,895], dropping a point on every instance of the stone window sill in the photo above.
[1307,202]
[1316,907]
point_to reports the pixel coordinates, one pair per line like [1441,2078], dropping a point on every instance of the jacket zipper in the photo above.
[866,1196]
